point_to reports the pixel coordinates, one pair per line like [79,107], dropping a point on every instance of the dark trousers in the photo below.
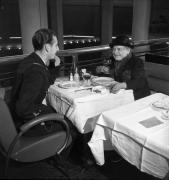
[51,126]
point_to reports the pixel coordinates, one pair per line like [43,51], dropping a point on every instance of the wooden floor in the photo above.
[120,170]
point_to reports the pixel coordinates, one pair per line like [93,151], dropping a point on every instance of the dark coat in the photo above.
[32,82]
[132,72]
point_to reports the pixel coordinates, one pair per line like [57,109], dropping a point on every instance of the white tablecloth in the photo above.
[138,133]
[84,107]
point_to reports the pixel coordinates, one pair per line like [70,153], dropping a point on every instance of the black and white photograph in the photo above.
[84,89]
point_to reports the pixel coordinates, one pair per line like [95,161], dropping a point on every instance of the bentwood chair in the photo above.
[13,145]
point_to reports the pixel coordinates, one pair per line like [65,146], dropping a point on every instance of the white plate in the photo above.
[103,81]
[69,85]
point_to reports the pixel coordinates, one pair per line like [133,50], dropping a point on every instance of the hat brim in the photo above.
[120,44]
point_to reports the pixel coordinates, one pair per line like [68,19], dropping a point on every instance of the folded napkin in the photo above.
[161,104]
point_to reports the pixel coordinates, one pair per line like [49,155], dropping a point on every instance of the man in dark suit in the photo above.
[32,82]
[126,68]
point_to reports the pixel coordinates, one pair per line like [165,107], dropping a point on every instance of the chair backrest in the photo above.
[7,126]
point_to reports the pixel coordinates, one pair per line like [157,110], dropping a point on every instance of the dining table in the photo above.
[82,105]
[138,132]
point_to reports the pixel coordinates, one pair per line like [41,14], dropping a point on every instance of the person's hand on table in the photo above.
[57,61]
[116,87]
[102,69]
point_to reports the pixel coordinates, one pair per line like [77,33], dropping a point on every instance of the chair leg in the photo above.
[6,166]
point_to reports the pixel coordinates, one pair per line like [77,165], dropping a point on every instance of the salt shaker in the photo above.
[71,77]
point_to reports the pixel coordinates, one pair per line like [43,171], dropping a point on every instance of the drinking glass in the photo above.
[86,78]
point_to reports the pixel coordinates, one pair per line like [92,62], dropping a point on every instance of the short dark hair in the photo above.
[41,37]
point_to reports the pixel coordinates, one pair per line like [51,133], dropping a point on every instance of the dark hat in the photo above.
[122,40]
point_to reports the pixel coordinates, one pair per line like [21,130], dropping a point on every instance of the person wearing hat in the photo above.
[126,68]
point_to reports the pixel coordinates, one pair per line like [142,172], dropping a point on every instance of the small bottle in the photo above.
[71,77]
[76,76]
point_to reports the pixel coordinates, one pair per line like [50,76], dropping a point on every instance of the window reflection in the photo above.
[10,32]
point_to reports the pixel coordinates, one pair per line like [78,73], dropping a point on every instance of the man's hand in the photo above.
[115,88]
[57,61]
